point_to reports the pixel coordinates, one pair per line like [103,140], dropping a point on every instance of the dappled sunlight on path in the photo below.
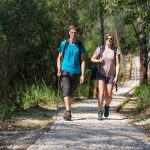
[86,132]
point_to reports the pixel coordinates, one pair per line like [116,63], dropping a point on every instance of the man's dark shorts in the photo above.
[108,80]
[69,83]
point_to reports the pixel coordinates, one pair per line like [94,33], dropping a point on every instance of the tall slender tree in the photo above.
[135,10]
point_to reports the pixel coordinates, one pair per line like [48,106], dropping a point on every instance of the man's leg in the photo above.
[69,87]
[68,102]
[67,114]
[74,81]
[65,88]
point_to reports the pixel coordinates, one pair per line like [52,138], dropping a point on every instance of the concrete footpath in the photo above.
[85,132]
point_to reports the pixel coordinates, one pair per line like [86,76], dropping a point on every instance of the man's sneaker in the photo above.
[100,115]
[106,111]
[67,115]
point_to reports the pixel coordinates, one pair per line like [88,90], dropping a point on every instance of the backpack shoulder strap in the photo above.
[66,45]
[79,46]
[102,48]
[115,50]
[67,42]
[115,53]
[63,51]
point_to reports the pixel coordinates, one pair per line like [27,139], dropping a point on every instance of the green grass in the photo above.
[37,94]
[83,89]
[32,95]
[143,92]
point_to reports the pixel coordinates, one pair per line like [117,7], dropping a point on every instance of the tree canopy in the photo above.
[31,31]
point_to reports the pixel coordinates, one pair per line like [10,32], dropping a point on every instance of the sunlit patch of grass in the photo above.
[33,95]
[83,89]
[143,92]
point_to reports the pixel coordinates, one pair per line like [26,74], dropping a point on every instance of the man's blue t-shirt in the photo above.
[71,57]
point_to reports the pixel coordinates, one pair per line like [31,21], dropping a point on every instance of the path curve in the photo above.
[85,132]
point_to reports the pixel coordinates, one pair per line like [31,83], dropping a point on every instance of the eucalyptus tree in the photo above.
[137,14]
[115,24]
[30,32]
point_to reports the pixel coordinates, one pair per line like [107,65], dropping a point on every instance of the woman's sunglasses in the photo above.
[109,39]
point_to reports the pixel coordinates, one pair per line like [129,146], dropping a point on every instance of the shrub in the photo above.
[143,92]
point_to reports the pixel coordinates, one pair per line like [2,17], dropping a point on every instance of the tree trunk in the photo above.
[143,50]
[101,21]
[143,58]
[118,43]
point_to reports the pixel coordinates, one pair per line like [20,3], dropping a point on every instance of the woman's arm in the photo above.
[95,58]
[117,68]
[117,65]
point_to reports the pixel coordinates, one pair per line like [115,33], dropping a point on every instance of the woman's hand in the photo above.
[100,60]
[115,80]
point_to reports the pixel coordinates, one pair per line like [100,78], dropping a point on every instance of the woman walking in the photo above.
[108,59]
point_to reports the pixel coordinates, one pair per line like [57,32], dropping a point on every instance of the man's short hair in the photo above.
[74,27]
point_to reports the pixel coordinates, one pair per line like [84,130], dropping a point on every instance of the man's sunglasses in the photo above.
[73,32]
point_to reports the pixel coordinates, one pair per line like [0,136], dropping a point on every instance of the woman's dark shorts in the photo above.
[69,83]
[108,80]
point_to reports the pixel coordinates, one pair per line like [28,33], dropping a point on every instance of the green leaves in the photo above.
[144,96]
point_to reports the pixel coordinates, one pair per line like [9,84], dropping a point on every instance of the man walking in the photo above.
[70,67]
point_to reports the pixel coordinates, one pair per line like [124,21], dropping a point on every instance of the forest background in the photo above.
[32,30]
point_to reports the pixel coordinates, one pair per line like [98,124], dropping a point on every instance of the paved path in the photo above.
[85,132]
[135,73]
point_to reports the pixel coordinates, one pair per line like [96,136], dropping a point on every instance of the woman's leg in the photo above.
[108,94]
[101,89]
[108,99]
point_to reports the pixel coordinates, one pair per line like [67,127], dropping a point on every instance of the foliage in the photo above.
[32,95]
[129,40]
[28,42]
[31,31]
[144,96]
[137,14]
[83,89]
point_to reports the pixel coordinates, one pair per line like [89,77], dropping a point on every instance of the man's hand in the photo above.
[58,73]
[59,64]
[81,79]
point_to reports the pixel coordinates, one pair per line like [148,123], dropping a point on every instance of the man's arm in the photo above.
[83,63]
[60,55]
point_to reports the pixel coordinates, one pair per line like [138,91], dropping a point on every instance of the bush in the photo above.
[32,95]
[83,89]
[143,92]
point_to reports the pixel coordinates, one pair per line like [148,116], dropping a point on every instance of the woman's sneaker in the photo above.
[67,115]
[100,115]
[106,111]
